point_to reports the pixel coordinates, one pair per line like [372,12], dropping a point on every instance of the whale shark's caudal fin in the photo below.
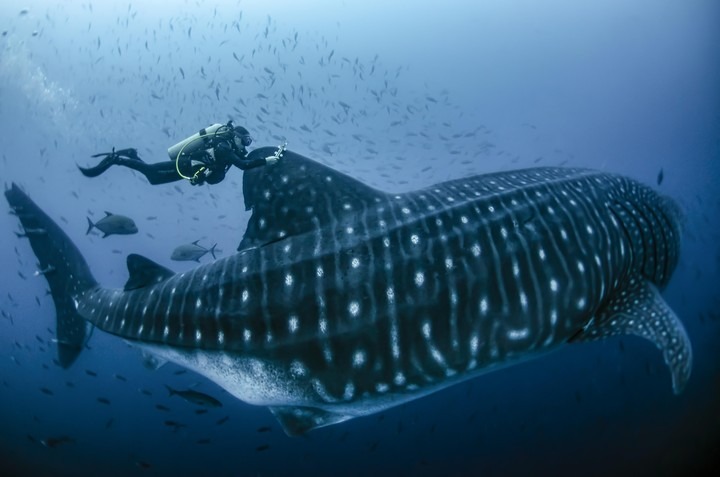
[640,310]
[64,268]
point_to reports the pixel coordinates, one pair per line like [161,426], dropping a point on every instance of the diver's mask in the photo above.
[242,141]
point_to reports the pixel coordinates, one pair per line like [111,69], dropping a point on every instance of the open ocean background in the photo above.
[400,94]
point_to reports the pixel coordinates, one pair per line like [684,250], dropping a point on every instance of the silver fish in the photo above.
[113,224]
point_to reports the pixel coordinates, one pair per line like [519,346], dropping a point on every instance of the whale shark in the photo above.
[344,300]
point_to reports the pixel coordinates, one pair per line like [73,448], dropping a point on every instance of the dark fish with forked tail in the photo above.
[113,224]
[195,397]
[53,442]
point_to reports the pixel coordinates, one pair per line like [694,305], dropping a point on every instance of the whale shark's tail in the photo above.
[64,268]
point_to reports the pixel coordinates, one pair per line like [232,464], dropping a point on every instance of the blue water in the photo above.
[430,91]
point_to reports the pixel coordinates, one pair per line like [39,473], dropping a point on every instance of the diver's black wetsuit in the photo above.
[201,166]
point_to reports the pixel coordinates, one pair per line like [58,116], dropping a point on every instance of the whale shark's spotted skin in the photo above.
[345,300]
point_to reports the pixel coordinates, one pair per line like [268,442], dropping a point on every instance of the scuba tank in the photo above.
[203,139]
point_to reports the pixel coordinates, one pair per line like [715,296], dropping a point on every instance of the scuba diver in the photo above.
[204,157]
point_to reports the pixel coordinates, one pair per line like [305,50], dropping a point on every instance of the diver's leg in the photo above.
[157,173]
[110,159]
[162,175]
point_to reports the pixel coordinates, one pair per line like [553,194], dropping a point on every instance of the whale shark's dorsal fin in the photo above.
[297,195]
[144,272]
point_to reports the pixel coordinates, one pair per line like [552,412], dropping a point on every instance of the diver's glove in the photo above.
[198,179]
[271,160]
[278,154]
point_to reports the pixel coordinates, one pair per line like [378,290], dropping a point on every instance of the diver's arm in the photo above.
[241,162]
[245,163]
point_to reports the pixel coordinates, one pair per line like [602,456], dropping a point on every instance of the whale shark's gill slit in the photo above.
[652,243]
[661,263]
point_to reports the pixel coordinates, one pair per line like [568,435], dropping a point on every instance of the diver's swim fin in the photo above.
[130,153]
[110,159]
[99,169]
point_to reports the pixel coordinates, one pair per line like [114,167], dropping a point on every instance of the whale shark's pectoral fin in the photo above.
[641,311]
[297,420]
